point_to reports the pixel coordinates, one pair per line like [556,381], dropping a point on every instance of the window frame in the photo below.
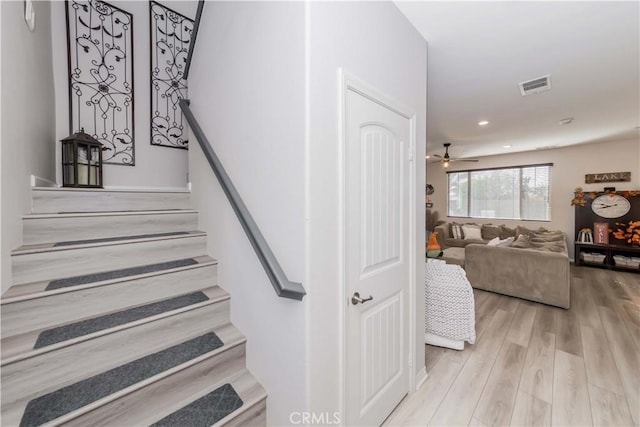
[520,170]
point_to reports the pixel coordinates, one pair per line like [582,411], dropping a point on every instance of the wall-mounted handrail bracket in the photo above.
[282,285]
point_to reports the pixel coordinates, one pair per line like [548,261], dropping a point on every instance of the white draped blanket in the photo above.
[449,304]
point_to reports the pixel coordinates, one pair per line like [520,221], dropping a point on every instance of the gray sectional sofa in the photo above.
[539,270]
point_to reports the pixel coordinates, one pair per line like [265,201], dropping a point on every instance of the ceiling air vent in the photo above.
[538,85]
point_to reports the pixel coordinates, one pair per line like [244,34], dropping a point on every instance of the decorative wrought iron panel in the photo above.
[170,41]
[100,41]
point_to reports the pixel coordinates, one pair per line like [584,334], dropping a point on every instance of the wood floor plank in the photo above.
[460,401]
[431,356]
[522,324]
[530,411]
[418,408]
[496,404]
[608,409]
[582,301]
[537,375]
[545,320]
[571,405]
[489,344]
[568,332]
[630,314]
[601,369]
[626,358]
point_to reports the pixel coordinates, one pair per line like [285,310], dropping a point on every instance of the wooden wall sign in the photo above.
[592,178]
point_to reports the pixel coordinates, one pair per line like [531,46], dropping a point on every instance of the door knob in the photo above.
[355,299]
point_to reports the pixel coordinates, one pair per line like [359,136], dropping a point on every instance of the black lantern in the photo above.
[81,161]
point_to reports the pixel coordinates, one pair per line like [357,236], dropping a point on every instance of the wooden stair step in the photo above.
[72,200]
[66,369]
[50,338]
[47,228]
[42,289]
[33,263]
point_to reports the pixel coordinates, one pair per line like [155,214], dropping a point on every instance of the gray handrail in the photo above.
[194,36]
[282,285]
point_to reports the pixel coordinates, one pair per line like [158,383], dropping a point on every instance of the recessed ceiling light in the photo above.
[483,123]
[507,146]
[566,121]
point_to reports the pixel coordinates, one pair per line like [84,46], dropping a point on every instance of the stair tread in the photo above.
[75,396]
[21,292]
[36,378]
[32,343]
[34,216]
[82,244]
[113,190]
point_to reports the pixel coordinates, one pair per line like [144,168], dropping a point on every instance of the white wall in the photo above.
[247,92]
[155,166]
[375,42]
[570,164]
[28,138]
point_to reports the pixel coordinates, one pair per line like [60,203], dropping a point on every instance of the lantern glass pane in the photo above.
[68,174]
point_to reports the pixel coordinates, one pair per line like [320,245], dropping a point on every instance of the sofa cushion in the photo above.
[506,242]
[494,241]
[456,231]
[507,232]
[490,231]
[454,256]
[528,231]
[522,242]
[472,232]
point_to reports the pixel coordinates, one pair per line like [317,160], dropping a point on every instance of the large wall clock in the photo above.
[610,206]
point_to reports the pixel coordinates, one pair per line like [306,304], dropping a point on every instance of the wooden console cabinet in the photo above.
[609,251]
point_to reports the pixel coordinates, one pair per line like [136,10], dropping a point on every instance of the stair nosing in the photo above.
[114,190]
[112,330]
[44,294]
[21,252]
[34,216]
[140,385]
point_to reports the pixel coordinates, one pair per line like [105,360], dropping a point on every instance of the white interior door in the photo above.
[377,190]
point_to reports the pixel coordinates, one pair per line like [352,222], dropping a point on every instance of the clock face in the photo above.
[610,206]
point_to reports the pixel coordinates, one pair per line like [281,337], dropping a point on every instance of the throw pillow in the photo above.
[522,242]
[494,241]
[507,232]
[490,232]
[472,232]
[506,242]
[456,230]
[524,230]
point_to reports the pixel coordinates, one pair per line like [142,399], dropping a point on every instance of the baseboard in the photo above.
[421,378]
[37,181]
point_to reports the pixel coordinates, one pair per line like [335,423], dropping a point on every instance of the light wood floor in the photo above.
[534,364]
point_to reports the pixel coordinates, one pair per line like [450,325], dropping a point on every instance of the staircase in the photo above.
[114,318]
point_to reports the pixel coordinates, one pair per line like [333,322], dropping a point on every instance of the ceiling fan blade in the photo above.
[433,162]
[464,160]
[437,155]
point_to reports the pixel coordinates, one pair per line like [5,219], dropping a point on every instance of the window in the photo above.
[519,192]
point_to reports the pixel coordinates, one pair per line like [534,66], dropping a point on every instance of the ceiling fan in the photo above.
[445,160]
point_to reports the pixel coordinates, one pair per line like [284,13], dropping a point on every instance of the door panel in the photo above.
[377,168]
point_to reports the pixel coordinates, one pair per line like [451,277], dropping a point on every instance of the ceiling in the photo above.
[480,51]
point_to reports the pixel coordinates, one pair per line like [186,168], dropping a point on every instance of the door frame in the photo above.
[348,81]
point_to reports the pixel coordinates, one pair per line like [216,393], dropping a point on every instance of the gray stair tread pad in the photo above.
[117,274]
[114,239]
[85,327]
[205,411]
[70,398]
